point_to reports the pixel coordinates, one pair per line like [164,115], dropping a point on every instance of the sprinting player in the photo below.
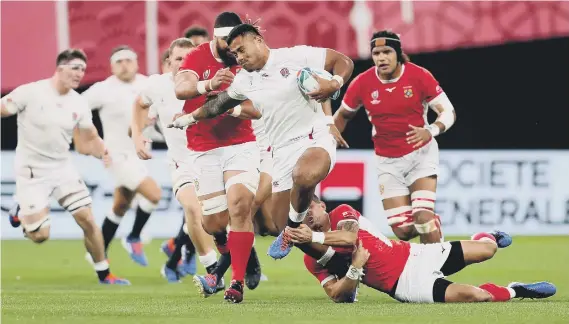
[114,98]
[197,34]
[50,114]
[299,128]
[408,272]
[396,95]
[160,98]
[227,159]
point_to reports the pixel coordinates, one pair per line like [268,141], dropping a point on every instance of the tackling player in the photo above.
[51,114]
[408,272]
[299,128]
[114,98]
[396,95]
[226,158]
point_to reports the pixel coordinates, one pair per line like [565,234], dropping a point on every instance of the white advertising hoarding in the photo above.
[523,192]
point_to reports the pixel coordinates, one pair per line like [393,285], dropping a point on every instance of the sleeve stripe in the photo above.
[184,71]
[327,279]
[439,96]
[348,108]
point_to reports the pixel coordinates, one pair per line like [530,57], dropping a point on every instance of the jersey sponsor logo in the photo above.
[206,74]
[285,72]
[375,97]
[390,89]
[349,214]
[408,92]
[275,184]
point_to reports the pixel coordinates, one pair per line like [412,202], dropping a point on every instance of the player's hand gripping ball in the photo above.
[308,83]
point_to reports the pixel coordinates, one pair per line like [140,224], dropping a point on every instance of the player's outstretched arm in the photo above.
[245,110]
[346,236]
[216,105]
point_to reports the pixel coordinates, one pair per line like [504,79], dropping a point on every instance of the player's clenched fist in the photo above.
[360,256]
[223,76]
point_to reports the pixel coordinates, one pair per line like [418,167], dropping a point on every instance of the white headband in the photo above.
[122,55]
[222,31]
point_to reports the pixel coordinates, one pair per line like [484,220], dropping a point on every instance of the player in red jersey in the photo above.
[226,156]
[396,95]
[408,272]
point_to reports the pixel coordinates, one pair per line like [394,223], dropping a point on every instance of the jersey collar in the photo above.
[269,61]
[392,80]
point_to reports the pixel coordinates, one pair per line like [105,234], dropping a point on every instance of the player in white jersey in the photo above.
[51,114]
[159,97]
[301,134]
[114,98]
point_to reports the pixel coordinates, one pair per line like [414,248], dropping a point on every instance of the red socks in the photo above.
[240,244]
[499,293]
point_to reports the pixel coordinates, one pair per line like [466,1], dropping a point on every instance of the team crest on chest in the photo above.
[285,72]
[408,92]
[375,97]
[206,74]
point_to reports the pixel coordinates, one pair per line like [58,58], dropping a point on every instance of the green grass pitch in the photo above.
[52,283]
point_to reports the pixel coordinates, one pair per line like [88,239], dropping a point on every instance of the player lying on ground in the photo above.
[408,272]
[50,114]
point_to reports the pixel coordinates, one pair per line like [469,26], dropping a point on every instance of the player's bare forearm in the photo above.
[215,106]
[327,107]
[88,142]
[139,113]
[342,117]
[314,250]
[186,85]
[248,111]
[340,238]
[341,291]
[339,64]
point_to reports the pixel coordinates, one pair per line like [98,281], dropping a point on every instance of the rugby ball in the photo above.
[307,83]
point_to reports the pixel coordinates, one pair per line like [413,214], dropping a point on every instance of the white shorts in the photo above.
[396,175]
[266,165]
[182,174]
[35,186]
[210,165]
[128,170]
[423,267]
[286,156]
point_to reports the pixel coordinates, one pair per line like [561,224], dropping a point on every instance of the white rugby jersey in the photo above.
[115,99]
[46,120]
[287,112]
[160,94]
[259,130]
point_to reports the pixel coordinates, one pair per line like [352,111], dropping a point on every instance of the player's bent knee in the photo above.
[38,231]
[39,237]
